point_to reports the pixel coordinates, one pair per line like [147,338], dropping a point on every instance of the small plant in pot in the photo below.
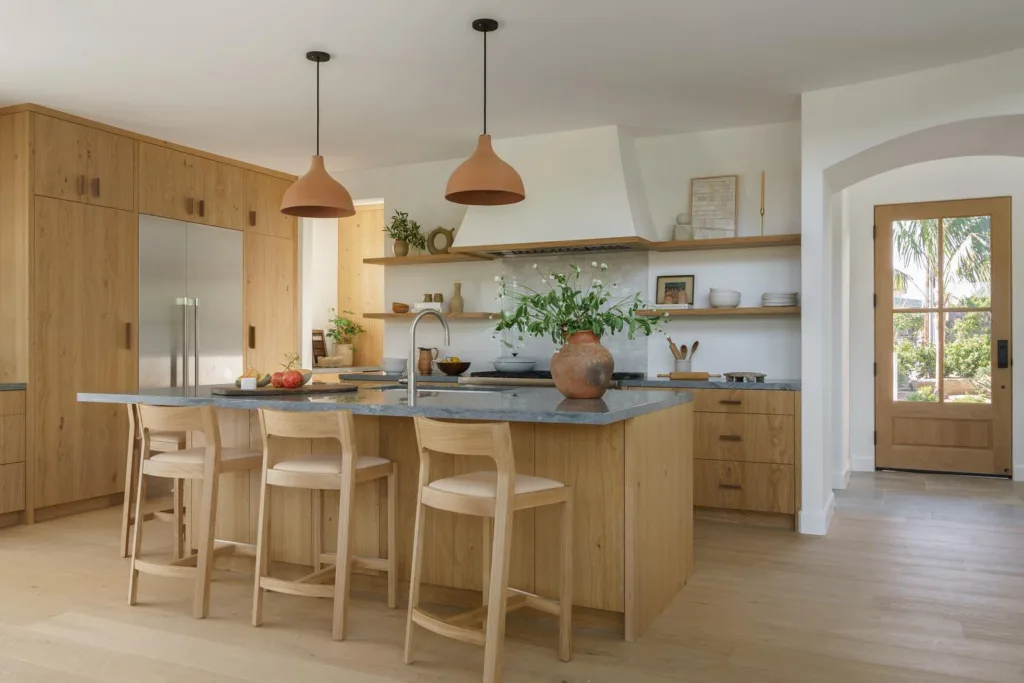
[343,332]
[406,233]
[576,312]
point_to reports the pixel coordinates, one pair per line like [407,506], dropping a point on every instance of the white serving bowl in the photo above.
[513,364]
[393,364]
[724,298]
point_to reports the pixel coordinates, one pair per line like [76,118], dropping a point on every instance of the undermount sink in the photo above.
[442,390]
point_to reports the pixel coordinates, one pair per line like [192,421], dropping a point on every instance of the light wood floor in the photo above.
[921,580]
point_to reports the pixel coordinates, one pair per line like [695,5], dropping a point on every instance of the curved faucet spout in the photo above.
[412,347]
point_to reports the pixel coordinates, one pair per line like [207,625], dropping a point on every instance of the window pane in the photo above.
[967,358]
[966,262]
[915,271]
[915,352]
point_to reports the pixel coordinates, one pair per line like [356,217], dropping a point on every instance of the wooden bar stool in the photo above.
[160,442]
[489,494]
[206,464]
[324,472]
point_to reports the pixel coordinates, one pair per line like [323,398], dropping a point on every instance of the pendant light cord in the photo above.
[318,108]
[485,82]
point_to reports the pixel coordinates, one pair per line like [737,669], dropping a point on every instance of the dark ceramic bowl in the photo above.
[452,369]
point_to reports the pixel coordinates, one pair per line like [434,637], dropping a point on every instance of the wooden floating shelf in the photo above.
[476,315]
[759,241]
[760,311]
[426,259]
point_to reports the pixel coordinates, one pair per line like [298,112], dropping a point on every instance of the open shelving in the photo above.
[474,315]
[758,241]
[424,259]
[758,311]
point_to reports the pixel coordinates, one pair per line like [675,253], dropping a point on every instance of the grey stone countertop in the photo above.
[509,404]
[767,385]
[12,386]
[381,376]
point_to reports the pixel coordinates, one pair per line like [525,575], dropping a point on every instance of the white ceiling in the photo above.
[230,76]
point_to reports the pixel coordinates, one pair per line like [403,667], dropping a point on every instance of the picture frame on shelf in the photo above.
[675,290]
[714,206]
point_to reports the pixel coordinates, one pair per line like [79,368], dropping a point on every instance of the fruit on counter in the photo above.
[262,379]
[291,379]
[450,359]
[277,379]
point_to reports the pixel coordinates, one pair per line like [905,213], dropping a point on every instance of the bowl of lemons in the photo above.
[452,366]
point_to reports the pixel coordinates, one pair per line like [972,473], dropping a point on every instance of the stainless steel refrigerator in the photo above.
[190,304]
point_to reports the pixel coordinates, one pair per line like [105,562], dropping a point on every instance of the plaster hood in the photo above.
[584,193]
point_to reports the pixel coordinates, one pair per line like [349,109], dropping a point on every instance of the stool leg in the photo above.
[497,600]
[414,578]
[565,585]
[133,578]
[485,544]
[179,518]
[392,539]
[317,514]
[262,550]
[343,565]
[207,527]
[131,472]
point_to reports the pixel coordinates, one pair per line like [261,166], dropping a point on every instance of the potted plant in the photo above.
[343,331]
[576,312]
[405,232]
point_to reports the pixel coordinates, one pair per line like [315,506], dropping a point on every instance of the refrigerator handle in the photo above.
[195,342]
[183,302]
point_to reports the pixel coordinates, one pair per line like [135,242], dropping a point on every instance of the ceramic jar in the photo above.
[401,248]
[458,304]
[582,368]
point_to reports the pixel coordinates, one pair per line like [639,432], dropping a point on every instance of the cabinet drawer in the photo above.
[12,439]
[758,487]
[12,402]
[762,402]
[745,438]
[12,488]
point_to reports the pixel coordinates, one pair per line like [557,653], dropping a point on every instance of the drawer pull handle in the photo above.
[81,185]
[188,206]
[252,336]
[730,437]
[731,402]
[202,207]
[730,486]
[252,219]
[95,187]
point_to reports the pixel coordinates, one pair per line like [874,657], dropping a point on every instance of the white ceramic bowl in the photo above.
[513,364]
[393,364]
[724,298]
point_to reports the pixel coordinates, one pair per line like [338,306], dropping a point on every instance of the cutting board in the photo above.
[688,375]
[308,390]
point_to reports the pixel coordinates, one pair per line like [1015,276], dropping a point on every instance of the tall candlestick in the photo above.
[762,203]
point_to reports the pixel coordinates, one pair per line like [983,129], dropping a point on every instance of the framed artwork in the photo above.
[714,203]
[675,290]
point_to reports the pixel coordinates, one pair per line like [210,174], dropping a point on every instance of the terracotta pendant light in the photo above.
[317,194]
[484,179]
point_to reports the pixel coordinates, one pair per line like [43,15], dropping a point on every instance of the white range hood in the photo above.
[583,193]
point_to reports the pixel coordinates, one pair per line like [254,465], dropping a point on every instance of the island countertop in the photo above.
[504,404]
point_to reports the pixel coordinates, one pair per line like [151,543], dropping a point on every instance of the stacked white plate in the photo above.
[779,299]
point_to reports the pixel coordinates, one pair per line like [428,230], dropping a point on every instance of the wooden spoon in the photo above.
[682,352]
[694,349]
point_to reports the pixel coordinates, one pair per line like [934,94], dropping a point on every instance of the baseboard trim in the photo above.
[840,480]
[78,506]
[862,463]
[770,520]
[816,523]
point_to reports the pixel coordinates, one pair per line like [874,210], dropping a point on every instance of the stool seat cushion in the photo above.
[326,464]
[197,456]
[485,484]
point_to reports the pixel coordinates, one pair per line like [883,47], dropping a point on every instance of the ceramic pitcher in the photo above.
[425,362]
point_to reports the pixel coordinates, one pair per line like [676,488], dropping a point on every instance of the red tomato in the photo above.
[292,379]
[277,379]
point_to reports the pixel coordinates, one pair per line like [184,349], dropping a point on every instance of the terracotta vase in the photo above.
[401,248]
[582,368]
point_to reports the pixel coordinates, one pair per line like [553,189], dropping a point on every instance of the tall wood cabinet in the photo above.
[70,196]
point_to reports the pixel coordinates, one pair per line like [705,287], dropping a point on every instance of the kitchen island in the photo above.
[628,457]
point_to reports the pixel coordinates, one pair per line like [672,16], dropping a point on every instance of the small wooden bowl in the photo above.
[400,308]
[452,369]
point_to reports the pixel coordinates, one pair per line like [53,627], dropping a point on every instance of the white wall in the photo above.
[963,178]
[323,293]
[666,164]
[849,134]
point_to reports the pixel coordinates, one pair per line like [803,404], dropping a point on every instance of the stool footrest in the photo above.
[309,590]
[182,569]
[446,629]
[546,605]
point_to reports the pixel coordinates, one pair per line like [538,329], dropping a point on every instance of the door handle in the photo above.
[188,206]
[95,187]
[252,336]
[128,336]
[730,486]
[1003,354]
[252,219]
[730,437]
[202,208]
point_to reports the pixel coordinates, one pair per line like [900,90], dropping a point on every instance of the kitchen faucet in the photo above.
[412,347]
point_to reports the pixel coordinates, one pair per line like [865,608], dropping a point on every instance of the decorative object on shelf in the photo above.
[317,194]
[675,289]
[428,297]
[780,299]
[513,364]
[746,377]
[724,298]
[438,298]
[575,314]
[452,366]
[393,365]
[762,203]
[458,304]
[484,179]
[714,205]
[448,237]
[344,330]
[405,232]
[425,362]
[397,307]
[683,365]
[683,230]
[434,306]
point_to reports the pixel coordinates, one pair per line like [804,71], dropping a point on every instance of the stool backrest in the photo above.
[490,439]
[332,424]
[178,419]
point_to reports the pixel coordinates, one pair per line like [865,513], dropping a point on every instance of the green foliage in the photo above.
[343,329]
[913,361]
[925,394]
[404,228]
[970,398]
[908,324]
[567,307]
[966,253]
[968,357]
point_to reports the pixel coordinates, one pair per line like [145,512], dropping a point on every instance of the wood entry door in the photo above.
[943,386]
